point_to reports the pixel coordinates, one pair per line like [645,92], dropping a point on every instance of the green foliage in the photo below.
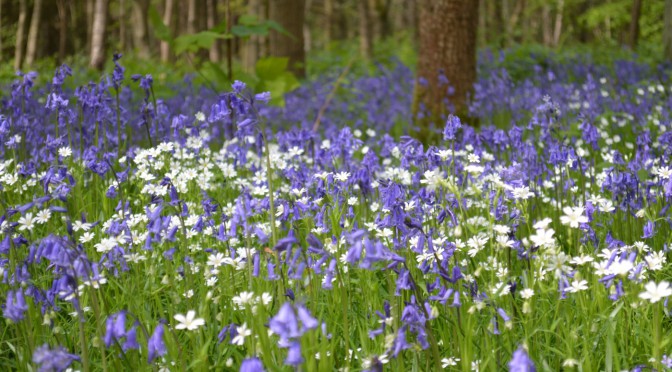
[275,78]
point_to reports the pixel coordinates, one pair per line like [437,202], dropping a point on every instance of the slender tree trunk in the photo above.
[168,21]
[290,15]
[62,29]
[98,34]
[546,30]
[383,10]
[482,24]
[633,35]
[251,48]
[212,19]
[140,30]
[20,33]
[90,9]
[667,30]
[1,54]
[365,37]
[558,23]
[447,47]
[191,17]
[513,21]
[122,25]
[33,33]
[328,21]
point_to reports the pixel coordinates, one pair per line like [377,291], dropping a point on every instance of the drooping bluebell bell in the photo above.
[56,359]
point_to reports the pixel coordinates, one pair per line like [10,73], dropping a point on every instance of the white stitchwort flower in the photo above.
[656,292]
[189,321]
[573,216]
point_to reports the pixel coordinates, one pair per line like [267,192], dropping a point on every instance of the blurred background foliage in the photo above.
[216,41]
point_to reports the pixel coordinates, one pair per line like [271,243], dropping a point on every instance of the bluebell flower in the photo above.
[155,345]
[252,365]
[56,359]
[521,362]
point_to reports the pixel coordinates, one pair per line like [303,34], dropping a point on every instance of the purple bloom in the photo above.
[16,306]
[294,357]
[252,365]
[521,362]
[155,345]
[453,124]
[57,359]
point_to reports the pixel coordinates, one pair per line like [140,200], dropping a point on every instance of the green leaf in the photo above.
[270,68]
[161,31]
[194,42]
[246,31]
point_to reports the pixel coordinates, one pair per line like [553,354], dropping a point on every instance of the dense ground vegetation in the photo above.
[202,229]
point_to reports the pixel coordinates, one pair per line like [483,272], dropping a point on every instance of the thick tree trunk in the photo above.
[633,35]
[365,34]
[98,34]
[211,21]
[447,47]
[290,15]
[168,21]
[667,30]
[140,30]
[33,33]
[20,33]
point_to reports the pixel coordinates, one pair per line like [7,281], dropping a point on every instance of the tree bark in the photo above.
[191,17]
[98,34]
[140,30]
[33,33]
[667,30]
[62,29]
[447,47]
[328,21]
[211,21]
[290,15]
[252,47]
[365,38]
[21,30]
[90,9]
[546,25]
[122,25]
[633,35]
[558,23]
[168,21]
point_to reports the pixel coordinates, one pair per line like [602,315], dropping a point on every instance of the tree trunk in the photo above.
[98,34]
[140,30]
[558,23]
[21,30]
[365,38]
[633,35]
[212,19]
[62,29]
[290,15]
[191,17]
[90,6]
[33,33]
[122,25]
[383,8]
[252,47]
[328,21]
[667,30]
[447,46]
[546,25]
[168,21]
